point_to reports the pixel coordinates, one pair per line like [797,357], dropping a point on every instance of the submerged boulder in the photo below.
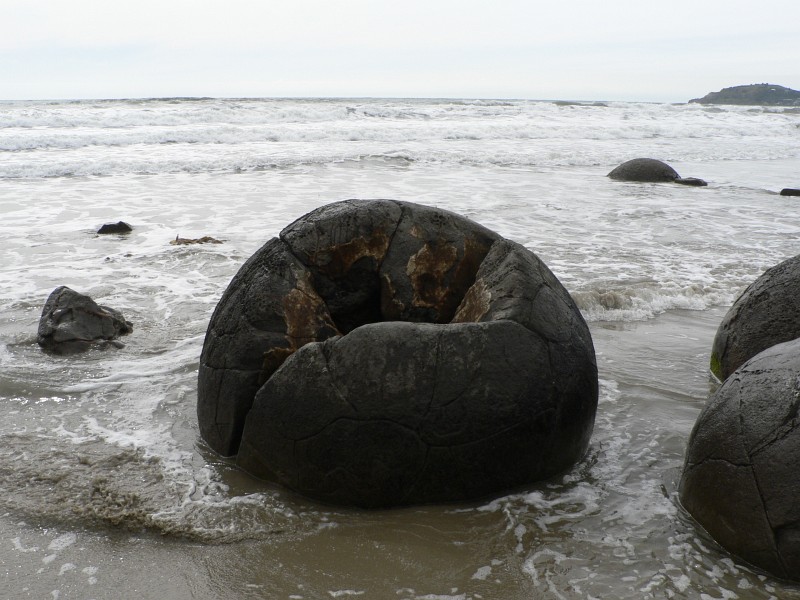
[644,169]
[767,313]
[72,322]
[740,478]
[691,181]
[383,353]
[206,239]
[651,170]
[118,227]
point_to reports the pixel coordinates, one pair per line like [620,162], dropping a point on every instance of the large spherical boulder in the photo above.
[644,169]
[383,353]
[767,313]
[741,480]
[72,322]
[651,170]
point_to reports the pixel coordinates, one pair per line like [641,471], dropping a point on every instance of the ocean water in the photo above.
[107,492]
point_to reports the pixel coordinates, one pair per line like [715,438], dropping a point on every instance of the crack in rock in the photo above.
[460,349]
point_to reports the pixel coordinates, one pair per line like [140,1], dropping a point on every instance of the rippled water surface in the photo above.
[107,491]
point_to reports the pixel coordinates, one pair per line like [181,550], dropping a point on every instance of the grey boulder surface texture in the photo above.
[72,322]
[767,313]
[741,480]
[382,353]
[651,170]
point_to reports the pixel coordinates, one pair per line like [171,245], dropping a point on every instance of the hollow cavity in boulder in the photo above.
[380,353]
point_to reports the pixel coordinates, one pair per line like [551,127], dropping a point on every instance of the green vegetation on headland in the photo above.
[758,94]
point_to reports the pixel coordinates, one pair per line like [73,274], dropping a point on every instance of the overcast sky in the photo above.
[582,50]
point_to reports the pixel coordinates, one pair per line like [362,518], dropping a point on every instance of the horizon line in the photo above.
[333,97]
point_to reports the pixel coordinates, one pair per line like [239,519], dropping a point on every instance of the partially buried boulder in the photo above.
[73,322]
[767,313]
[691,181]
[118,227]
[382,353]
[206,239]
[740,478]
[651,170]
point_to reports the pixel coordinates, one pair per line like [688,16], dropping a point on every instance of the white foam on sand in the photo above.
[62,542]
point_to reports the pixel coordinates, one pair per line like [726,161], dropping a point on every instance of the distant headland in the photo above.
[754,94]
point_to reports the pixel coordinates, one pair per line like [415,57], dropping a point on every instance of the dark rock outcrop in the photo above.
[757,94]
[73,322]
[740,478]
[118,227]
[651,170]
[790,192]
[383,353]
[206,239]
[767,313]
[692,181]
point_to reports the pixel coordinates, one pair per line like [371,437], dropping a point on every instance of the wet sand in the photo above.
[552,540]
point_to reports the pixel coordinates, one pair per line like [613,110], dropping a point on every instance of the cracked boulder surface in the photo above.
[740,480]
[383,353]
[767,313]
